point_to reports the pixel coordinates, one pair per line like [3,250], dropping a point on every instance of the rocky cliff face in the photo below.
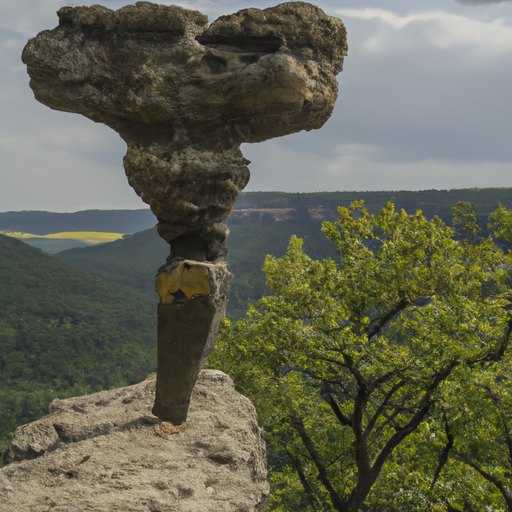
[107,452]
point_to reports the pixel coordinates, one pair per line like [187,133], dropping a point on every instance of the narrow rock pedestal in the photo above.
[193,297]
[184,95]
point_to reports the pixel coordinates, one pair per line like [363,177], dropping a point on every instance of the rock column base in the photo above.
[193,297]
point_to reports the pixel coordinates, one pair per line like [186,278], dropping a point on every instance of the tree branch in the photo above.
[500,351]
[380,322]
[507,495]
[322,472]
[384,378]
[497,354]
[342,418]
[422,410]
[449,508]
[508,440]
[349,361]
[360,444]
[329,360]
[390,419]
[303,480]
[443,458]
[381,408]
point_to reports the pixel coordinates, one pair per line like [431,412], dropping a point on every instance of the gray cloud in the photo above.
[481,2]
[424,103]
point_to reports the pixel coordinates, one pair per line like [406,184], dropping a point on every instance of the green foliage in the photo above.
[248,246]
[500,223]
[367,371]
[64,332]
[464,218]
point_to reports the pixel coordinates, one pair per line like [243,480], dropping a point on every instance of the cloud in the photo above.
[360,167]
[430,84]
[481,2]
[386,33]
[424,103]
[59,162]
[52,160]
[28,17]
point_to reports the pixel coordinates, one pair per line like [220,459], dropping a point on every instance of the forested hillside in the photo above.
[44,223]
[431,202]
[65,332]
[132,261]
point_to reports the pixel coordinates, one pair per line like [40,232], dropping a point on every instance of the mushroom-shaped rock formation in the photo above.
[184,95]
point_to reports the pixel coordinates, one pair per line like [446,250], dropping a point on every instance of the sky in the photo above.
[424,103]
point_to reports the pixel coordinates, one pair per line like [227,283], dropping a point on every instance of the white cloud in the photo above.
[28,17]
[434,29]
[60,162]
[424,85]
[481,2]
[361,168]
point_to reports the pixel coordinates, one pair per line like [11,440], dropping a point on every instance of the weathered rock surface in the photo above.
[193,297]
[106,452]
[185,95]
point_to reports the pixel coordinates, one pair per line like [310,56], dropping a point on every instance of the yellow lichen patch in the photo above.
[192,280]
[166,429]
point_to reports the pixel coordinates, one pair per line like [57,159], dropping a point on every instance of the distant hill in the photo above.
[45,223]
[54,246]
[262,224]
[61,241]
[132,261]
[254,207]
[427,200]
[64,332]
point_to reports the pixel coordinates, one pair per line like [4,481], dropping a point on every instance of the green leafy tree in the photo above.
[500,222]
[477,413]
[464,217]
[477,416]
[351,363]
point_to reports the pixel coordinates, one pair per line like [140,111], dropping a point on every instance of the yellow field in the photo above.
[89,237]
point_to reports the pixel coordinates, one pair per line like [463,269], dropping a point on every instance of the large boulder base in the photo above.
[107,452]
